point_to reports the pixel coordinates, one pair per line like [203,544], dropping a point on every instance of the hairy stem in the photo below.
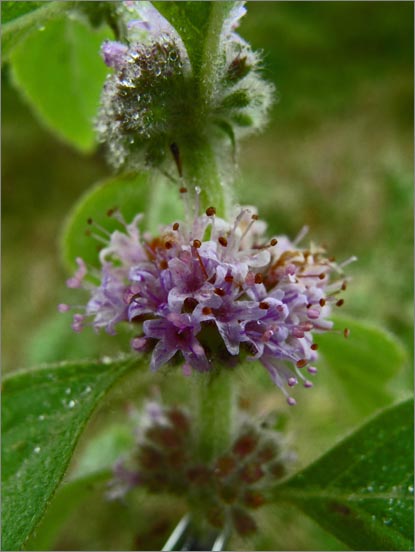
[200,168]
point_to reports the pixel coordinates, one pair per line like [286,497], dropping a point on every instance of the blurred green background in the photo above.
[336,155]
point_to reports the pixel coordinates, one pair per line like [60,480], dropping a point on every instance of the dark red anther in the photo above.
[210,211]
[197,243]
[263,305]
[322,302]
[223,241]
[259,278]
[176,226]
[274,241]
[219,291]
[111,211]
[340,302]
[301,363]
[206,310]
[314,347]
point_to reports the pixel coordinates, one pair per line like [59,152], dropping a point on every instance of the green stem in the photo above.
[214,408]
[200,168]
[211,49]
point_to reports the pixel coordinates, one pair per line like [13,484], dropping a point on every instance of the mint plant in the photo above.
[163,254]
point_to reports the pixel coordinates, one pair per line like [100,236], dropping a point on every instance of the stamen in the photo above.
[176,226]
[248,228]
[314,347]
[263,305]
[223,241]
[303,232]
[346,332]
[258,278]
[210,211]
[202,266]
[94,224]
[301,363]
[111,211]
[348,261]
[340,302]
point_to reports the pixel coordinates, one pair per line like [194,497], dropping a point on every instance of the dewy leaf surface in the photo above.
[131,194]
[362,365]
[59,71]
[362,489]
[94,469]
[43,414]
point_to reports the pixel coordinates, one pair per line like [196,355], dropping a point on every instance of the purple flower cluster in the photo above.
[207,291]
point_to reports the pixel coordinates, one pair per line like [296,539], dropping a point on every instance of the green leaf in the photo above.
[19,19]
[67,498]
[131,194]
[92,470]
[14,10]
[363,364]
[44,412]
[60,74]
[362,489]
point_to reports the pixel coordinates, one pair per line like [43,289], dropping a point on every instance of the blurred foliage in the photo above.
[337,155]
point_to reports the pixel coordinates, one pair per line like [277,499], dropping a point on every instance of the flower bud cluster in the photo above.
[140,101]
[207,292]
[153,97]
[226,490]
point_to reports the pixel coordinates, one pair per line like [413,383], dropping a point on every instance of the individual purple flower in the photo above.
[207,292]
[114,54]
